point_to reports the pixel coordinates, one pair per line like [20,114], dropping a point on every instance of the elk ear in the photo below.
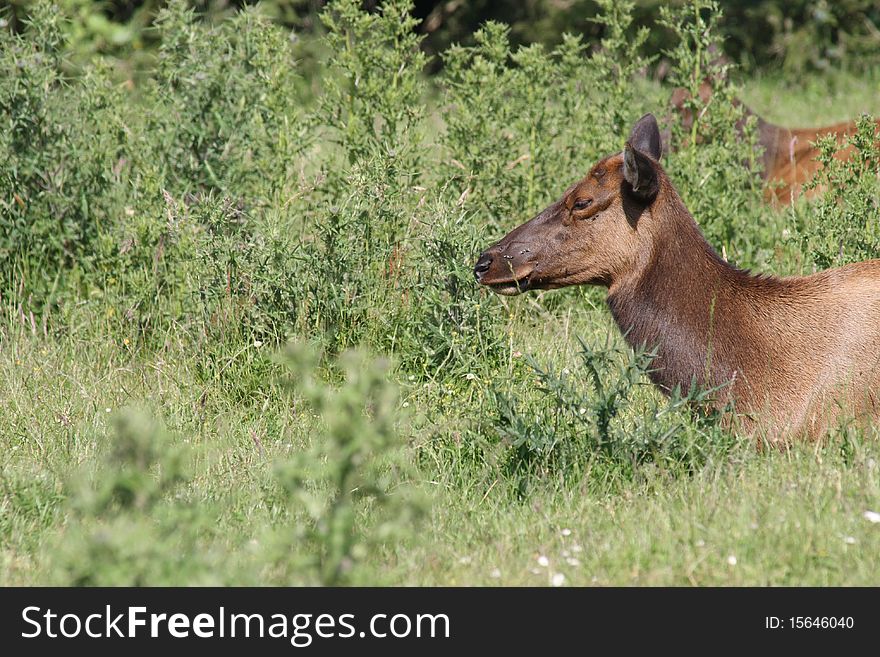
[640,156]
[645,137]
[640,171]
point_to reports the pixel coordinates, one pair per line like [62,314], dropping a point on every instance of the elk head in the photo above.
[590,235]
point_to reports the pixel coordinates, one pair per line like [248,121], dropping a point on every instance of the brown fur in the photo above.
[797,354]
[789,159]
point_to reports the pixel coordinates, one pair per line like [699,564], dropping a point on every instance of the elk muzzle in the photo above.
[510,266]
[505,268]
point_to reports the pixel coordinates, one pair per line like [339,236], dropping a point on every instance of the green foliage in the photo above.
[224,104]
[806,35]
[59,150]
[89,26]
[707,166]
[124,529]
[372,96]
[843,226]
[360,211]
[458,327]
[347,493]
[164,234]
[792,35]
[387,251]
[95,188]
[356,460]
[583,419]
[523,123]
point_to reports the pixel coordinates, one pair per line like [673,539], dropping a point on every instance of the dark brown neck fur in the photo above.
[687,303]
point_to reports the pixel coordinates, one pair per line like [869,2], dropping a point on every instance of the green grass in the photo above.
[788,518]
[813,100]
[793,519]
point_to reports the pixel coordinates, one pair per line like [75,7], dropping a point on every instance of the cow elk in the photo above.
[794,356]
[789,156]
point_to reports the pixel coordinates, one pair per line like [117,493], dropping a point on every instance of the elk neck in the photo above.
[686,303]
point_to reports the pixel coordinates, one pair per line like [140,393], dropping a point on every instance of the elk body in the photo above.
[795,355]
[789,157]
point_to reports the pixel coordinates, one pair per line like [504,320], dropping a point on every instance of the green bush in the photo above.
[354,467]
[387,252]
[61,148]
[115,191]
[843,226]
[522,123]
[124,531]
[714,167]
[133,520]
[583,419]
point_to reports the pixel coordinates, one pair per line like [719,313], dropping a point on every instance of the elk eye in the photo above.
[583,204]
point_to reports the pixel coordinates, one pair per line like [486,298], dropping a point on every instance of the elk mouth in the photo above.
[500,275]
[511,287]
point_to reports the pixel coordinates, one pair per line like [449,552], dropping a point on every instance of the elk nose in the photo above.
[482,265]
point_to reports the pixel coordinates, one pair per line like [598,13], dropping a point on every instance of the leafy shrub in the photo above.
[225,114]
[354,468]
[96,184]
[520,123]
[843,226]
[715,168]
[578,419]
[134,520]
[387,251]
[123,529]
[358,215]
[806,34]
[60,148]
